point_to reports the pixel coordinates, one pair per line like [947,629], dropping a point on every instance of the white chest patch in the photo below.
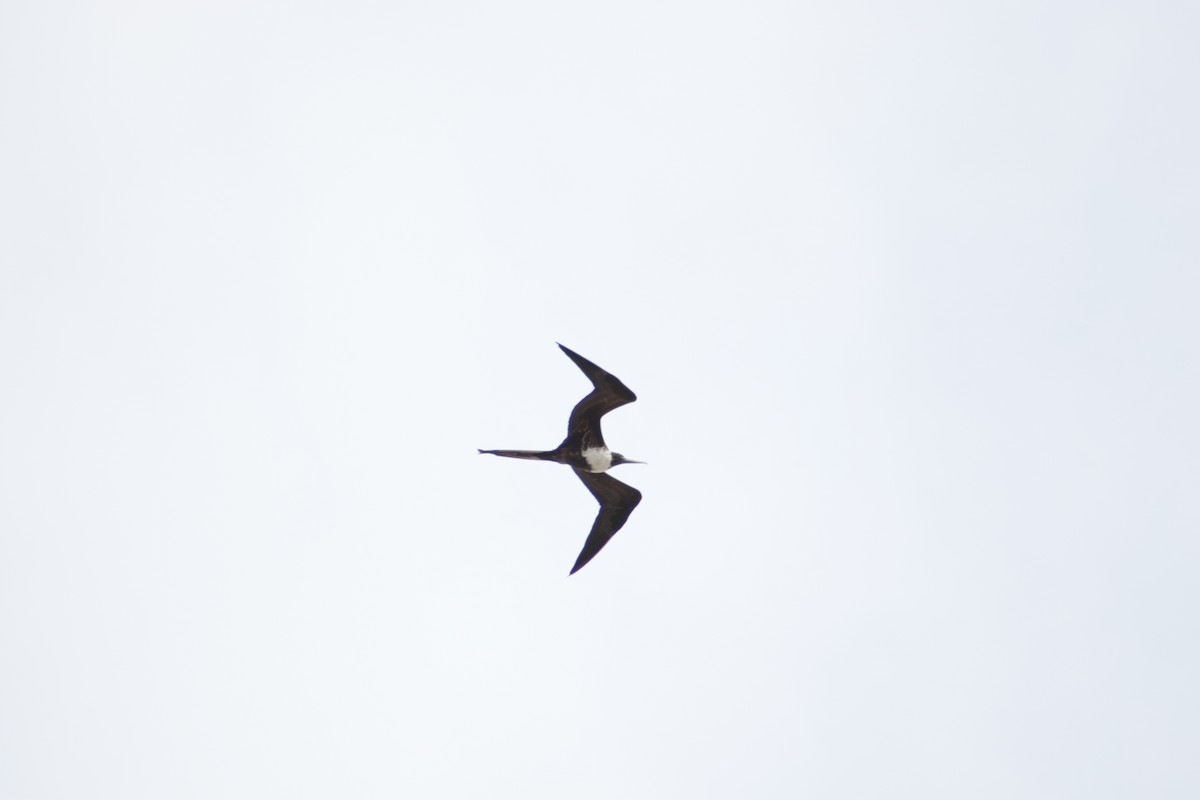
[598,459]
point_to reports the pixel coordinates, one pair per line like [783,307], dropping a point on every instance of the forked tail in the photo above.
[536,455]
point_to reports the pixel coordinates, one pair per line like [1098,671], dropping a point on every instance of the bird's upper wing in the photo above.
[583,429]
[617,501]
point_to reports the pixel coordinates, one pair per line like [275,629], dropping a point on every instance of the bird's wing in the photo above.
[583,429]
[617,502]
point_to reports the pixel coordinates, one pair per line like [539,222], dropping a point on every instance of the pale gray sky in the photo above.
[908,292]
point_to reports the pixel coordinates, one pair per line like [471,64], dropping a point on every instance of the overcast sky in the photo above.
[908,293]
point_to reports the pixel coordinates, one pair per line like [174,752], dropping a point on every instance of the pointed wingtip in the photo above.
[580,563]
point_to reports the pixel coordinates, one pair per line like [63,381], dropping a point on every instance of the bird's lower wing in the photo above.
[617,501]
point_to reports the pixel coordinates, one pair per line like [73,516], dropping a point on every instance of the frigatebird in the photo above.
[585,452]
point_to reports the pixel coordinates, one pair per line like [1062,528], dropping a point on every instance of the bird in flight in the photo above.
[585,452]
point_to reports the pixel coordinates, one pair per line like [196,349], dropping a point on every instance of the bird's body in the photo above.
[584,451]
[599,459]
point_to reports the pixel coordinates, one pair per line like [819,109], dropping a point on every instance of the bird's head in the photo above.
[617,459]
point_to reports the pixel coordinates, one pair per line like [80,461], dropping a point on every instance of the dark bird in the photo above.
[585,452]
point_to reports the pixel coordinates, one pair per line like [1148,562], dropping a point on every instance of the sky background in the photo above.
[908,293]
